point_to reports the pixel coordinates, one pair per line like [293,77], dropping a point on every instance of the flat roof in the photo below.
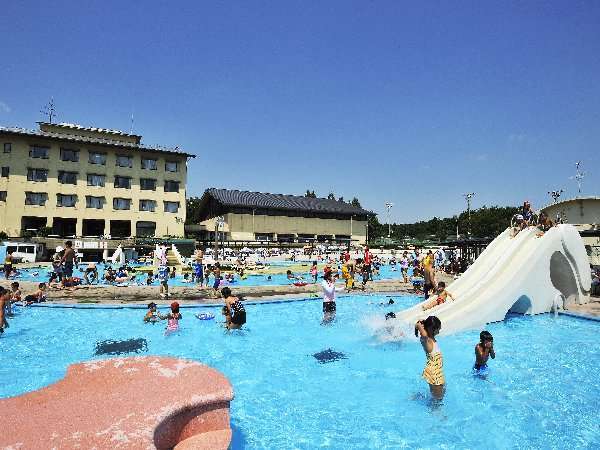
[93,140]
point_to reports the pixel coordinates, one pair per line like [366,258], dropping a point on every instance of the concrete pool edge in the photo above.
[108,406]
[165,303]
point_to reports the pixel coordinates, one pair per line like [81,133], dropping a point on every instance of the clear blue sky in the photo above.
[386,100]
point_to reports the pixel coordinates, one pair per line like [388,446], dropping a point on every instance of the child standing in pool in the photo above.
[483,351]
[314,271]
[173,318]
[433,372]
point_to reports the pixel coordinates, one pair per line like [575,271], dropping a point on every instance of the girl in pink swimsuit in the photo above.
[173,318]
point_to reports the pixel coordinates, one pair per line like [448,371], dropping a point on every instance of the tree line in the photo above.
[485,222]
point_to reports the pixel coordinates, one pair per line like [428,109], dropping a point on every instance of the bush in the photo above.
[3,236]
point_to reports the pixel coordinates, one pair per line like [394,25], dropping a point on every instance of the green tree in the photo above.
[192,206]
[331,196]
[310,194]
[355,202]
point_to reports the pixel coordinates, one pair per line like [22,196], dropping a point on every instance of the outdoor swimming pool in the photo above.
[42,274]
[542,390]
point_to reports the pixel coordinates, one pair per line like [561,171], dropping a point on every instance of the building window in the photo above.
[67,177]
[69,154]
[171,166]
[122,182]
[149,164]
[124,161]
[147,184]
[2,196]
[95,180]
[97,158]
[36,151]
[171,207]
[94,202]
[67,201]
[36,198]
[171,186]
[37,174]
[147,205]
[7,147]
[145,229]
[121,203]
[5,172]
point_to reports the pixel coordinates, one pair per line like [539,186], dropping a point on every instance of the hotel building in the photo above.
[72,181]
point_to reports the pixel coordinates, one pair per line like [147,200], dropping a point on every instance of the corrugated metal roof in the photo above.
[246,199]
[91,140]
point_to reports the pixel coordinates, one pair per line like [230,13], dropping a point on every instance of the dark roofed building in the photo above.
[250,216]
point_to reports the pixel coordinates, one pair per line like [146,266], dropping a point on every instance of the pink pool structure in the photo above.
[125,403]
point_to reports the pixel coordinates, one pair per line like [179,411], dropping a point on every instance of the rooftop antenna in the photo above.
[579,175]
[468,198]
[49,110]
[389,206]
[555,195]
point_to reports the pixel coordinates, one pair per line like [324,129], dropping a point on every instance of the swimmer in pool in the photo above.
[152,315]
[484,350]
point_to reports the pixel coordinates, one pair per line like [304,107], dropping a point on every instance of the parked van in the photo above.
[23,251]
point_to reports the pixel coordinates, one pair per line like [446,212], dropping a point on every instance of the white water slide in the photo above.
[524,274]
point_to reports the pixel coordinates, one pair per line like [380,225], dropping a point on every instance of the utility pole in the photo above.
[468,197]
[389,206]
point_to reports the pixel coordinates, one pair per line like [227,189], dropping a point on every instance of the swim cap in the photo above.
[174,305]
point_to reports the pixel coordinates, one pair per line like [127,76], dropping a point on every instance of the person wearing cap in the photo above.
[527,213]
[152,316]
[173,318]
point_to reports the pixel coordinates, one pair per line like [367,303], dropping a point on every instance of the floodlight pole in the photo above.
[468,197]
[579,175]
[389,206]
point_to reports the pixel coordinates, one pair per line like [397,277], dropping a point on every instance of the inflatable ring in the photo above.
[300,283]
[205,316]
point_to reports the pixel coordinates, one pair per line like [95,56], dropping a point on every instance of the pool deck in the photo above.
[591,309]
[194,294]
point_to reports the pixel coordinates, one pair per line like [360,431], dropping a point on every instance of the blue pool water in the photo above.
[42,274]
[542,390]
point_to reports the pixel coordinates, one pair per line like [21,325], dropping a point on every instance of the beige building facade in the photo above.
[73,181]
[254,216]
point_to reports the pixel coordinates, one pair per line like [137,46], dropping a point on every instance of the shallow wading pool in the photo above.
[542,390]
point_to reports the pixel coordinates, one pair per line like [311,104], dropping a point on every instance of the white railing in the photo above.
[177,254]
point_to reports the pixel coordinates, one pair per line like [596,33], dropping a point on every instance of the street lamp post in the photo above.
[219,222]
[468,197]
[579,175]
[389,206]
